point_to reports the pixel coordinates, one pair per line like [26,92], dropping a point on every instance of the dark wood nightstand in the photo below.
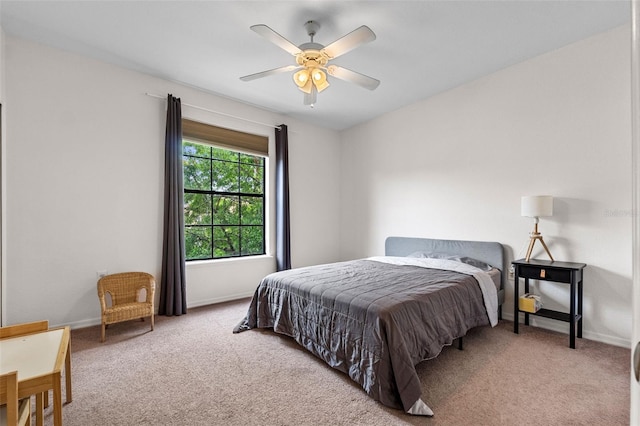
[560,272]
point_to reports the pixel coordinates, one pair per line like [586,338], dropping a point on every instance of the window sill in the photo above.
[247,259]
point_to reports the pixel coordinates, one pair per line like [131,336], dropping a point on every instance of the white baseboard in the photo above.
[193,304]
[563,327]
[237,296]
[79,324]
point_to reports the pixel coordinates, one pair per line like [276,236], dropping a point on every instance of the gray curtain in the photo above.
[283,231]
[173,299]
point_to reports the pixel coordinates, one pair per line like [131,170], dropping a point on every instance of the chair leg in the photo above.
[152,322]
[24,412]
[102,332]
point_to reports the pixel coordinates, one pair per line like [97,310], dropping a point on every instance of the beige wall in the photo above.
[455,166]
[85,159]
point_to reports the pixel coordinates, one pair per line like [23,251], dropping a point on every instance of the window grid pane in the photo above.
[198,242]
[226,241]
[196,173]
[251,211]
[196,150]
[197,209]
[225,176]
[252,240]
[226,210]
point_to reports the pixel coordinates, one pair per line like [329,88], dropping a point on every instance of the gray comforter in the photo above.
[371,320]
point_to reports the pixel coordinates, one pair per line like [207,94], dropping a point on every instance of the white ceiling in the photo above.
[422,47]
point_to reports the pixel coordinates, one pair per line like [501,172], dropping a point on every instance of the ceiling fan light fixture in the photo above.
[319,79]
[301,78]
[309,78]
[307,88]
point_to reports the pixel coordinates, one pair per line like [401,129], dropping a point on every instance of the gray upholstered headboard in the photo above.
[486,251]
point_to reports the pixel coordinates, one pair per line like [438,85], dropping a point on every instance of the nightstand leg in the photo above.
[516,312]
[572,316]
[526,290]
[580,309]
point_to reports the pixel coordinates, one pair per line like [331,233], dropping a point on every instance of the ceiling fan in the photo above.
[312,60]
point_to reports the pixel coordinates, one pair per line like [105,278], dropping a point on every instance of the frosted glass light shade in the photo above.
[319,79]
[537,206]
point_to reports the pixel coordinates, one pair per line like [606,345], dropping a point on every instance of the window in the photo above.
[224,201]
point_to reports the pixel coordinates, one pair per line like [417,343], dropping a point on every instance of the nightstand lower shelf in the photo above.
[548,313]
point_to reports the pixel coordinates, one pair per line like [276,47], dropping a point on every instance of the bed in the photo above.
[376,318]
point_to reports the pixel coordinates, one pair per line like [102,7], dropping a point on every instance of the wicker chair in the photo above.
[126,304]
[15,412]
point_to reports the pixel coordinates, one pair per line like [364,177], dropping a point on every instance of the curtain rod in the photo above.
[215,112]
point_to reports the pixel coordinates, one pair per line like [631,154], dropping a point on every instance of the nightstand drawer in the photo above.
[546,274]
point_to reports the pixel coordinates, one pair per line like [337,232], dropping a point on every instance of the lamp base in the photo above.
[535,236]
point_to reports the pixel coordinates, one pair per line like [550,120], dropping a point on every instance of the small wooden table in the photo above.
[39,359]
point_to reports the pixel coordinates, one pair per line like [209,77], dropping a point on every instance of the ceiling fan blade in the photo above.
[349,42]
[353,77]
[269,72]
[275,38]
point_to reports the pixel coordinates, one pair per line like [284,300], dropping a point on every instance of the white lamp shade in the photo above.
[537,206]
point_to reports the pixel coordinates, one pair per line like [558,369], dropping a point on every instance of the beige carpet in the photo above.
[193,371]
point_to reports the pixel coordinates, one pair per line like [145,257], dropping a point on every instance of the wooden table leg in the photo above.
[57,399]
[67,372]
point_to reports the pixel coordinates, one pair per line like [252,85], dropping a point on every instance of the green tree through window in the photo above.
[223,202]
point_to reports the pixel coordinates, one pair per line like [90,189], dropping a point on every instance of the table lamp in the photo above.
[536,206]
